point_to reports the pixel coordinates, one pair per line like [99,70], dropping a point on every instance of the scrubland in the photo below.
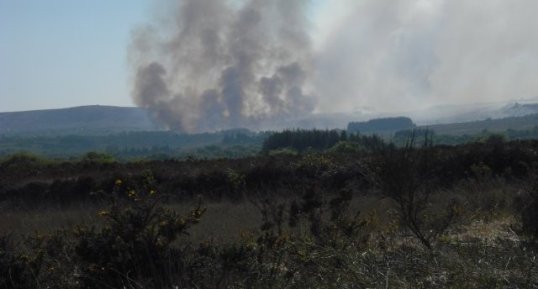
[385,217]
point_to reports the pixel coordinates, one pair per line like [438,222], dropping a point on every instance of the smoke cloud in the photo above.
[412,54]
[221,64]
[215,64]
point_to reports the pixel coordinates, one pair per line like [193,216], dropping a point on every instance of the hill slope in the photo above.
[493,125]
[93,119]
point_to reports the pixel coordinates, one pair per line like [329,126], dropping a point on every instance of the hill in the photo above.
[94,119]
[493,125]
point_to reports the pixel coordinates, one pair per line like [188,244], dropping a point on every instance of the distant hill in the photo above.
[100,120]
[473,112]
[524,126]
[517,109]
[492,125]
[86,120]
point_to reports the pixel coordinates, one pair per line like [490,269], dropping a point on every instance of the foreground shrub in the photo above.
[526,206]
[406,176]
[313,241]
[135,242]
[17,270]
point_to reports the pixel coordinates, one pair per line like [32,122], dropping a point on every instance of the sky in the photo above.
[380,54]
[64,53]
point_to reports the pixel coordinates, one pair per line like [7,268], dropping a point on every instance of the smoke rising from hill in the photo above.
[216,64]
[219,65]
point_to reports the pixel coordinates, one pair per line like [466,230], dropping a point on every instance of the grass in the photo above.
[223,222]
[24,222]
[226,221]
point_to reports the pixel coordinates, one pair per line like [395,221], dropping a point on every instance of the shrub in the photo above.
[526,206]
[406,176]
[283,152]
[17,270]
[134,246]
[346,147]
[97,158]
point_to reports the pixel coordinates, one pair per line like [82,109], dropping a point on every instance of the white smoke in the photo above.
[410,54]
[215,64]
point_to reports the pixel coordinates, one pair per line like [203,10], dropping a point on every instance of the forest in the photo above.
[312,209]
[240,143]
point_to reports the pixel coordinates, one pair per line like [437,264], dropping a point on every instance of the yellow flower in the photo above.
[132,193]
[118,182]
[103,213]
[152,192]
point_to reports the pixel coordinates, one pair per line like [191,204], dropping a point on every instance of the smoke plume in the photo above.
[220,64]
[216,64]
[414,54]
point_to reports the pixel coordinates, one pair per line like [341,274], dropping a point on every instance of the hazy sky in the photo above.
[385,54]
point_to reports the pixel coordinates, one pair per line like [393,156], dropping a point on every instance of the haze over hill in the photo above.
[96,119]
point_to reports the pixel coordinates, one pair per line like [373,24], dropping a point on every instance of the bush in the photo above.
[96,157]
[135,242]
[406,176]
[134,247]
[17,270]
[526,206]
[346,147]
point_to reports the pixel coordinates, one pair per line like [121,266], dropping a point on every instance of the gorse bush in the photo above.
[132,248]
[134,243]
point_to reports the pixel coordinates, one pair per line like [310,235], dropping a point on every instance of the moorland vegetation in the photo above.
[316,210]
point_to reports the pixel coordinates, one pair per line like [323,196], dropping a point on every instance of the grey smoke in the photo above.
[223,64]
[411,54]
[217,64]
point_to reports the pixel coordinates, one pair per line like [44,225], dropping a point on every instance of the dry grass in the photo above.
[227,221]
[479,252]
[488,232]
[24,222]
[223,222]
